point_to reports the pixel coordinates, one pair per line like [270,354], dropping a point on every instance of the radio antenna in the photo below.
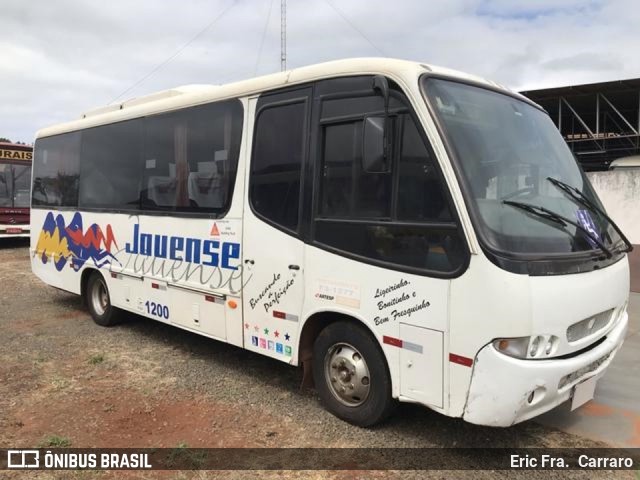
[283,35]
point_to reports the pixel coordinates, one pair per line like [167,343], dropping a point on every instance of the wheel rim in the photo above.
[100,297]
[347,374]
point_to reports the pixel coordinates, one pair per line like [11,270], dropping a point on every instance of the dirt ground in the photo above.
[65,381]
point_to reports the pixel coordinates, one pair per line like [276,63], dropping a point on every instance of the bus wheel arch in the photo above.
[353,334]
[97,298]
[84,279]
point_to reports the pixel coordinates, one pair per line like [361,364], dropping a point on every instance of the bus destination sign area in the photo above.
[10,154]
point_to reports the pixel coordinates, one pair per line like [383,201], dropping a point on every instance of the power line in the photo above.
[163,63]
[352,25]
[264,34]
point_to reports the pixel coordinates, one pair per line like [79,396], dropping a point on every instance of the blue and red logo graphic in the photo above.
[61,243]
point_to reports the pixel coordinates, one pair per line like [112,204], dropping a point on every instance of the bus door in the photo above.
[273,250]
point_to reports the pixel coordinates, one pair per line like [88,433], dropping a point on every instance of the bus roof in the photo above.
[15,146]
[180,97]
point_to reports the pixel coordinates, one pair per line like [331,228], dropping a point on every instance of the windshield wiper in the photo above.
[559,219]
[583,200]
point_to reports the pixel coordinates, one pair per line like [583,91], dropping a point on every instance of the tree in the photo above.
[6,140]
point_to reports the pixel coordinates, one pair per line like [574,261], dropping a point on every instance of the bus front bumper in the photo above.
[506,390]
[12,231]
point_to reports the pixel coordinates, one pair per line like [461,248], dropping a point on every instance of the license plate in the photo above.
[14,230]
[583,392]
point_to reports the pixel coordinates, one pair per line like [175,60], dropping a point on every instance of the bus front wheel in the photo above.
[351,375]
[99,301]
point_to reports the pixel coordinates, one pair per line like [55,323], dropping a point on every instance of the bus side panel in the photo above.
[176,270]
[421,365]
[383,300]
[193,268]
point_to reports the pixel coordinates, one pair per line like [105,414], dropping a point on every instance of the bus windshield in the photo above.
[514,163]
[15,183]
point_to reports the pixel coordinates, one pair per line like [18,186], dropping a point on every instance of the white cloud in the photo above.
[65,57]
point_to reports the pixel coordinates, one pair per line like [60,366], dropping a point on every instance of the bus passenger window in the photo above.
[277,163]
[110,167]
[190,158]
[396,217]
[56,171]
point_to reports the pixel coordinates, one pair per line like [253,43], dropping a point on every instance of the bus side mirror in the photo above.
[374,159]
[2,178]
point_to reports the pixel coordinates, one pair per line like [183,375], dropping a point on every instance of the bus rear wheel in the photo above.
[351,374]
[99,301]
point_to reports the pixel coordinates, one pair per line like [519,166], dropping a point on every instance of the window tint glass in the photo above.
[507,151]
[6,175]
[340,153]
[420,194]
[416,247]
[191,158]
[21,185]
[111,167]
[277,162]
[56,171]
[349,190]
[15,183]
[392,213]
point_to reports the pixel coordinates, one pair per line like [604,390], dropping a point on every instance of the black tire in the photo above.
[335,380]
[99,302]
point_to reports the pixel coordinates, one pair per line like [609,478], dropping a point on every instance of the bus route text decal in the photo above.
[211,253]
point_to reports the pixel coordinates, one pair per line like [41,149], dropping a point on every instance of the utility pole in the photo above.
[283,35]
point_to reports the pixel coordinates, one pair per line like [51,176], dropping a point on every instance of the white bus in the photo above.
[403,231]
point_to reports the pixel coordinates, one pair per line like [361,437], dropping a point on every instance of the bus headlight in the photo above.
[538,346]
[534,346]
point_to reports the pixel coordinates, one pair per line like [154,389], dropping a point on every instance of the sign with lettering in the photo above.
[15,154]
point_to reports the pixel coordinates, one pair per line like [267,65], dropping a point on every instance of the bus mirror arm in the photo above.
[380,84]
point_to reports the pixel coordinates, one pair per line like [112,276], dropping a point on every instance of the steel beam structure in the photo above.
[600,122]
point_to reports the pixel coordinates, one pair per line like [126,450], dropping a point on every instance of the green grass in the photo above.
[96,359]
[54,441]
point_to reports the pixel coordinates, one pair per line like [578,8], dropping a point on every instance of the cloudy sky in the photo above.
[59,58]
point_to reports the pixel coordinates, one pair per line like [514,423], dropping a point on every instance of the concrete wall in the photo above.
[619,191]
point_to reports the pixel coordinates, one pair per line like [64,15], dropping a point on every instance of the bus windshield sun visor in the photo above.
[558,219]
[582,199]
